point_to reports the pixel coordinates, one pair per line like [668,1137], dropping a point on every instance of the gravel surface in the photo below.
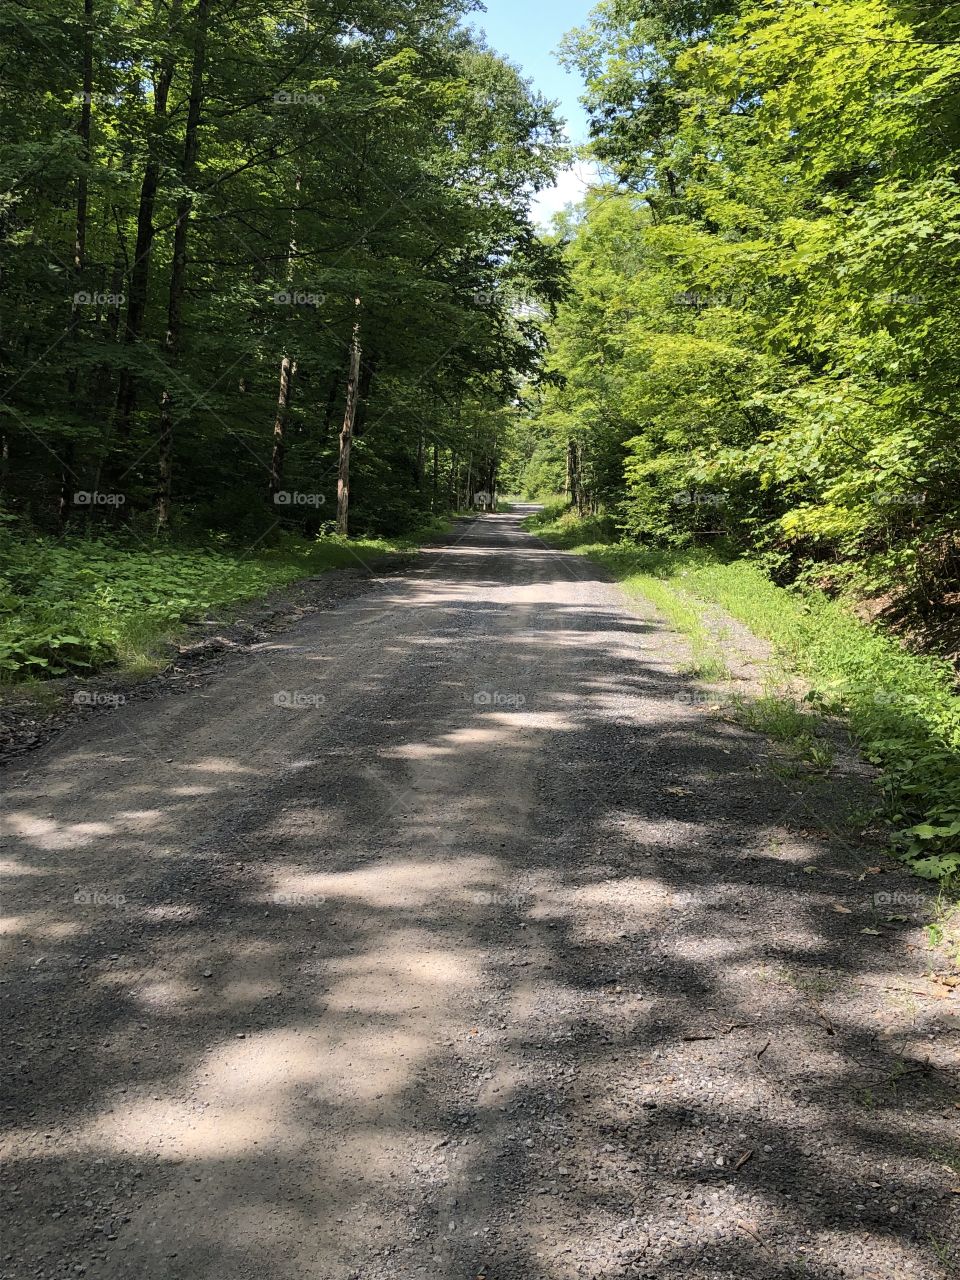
[448,933]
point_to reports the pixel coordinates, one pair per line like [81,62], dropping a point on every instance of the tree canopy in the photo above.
[761,340]
[210,208]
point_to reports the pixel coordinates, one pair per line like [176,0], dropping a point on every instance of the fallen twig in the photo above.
[745,1226]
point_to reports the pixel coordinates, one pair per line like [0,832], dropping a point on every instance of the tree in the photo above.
[235,179]
[761,339]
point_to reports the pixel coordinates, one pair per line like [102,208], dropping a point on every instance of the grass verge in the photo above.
[74,606]
[902,708]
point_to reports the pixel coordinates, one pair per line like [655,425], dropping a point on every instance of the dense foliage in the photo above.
[71,606]
[232,232]
[762,344]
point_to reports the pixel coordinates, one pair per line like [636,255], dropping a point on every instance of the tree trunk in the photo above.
[436,469]
[421,467]
[288,371]
[140,270]
[178,269]
[83,129]
[79,250]
[332,399]
[346,434]
[574,478]
[581,496]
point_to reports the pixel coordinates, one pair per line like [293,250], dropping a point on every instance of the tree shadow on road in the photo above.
[568,986]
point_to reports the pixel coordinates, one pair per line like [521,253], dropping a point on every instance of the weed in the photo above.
[813,985]
[943,1251]
[74,606]
[944,929]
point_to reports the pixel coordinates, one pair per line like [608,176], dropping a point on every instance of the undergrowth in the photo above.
[81,604]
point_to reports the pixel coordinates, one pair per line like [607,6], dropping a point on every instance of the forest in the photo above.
[267,275]
[762,333]
[221,223]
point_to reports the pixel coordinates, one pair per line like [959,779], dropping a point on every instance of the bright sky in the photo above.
[528,33]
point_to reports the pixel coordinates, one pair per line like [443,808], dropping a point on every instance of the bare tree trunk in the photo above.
[421,461]
[574,486]
[79,248]
[83,129]
[580,492]
[140,270]
[346,434]
[178,269]
[436,469]
[288,371]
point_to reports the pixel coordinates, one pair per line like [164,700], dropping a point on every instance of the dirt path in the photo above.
[488,954]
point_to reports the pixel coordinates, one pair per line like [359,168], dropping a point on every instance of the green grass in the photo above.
[902,708]
[79,605]
[780,718]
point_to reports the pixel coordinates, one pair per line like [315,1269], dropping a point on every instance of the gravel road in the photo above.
[448,934]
